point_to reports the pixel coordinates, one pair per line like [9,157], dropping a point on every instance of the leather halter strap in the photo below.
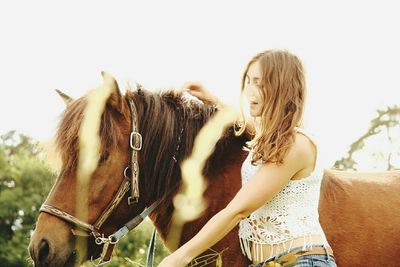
[135,142]
[67,217]
[89,228]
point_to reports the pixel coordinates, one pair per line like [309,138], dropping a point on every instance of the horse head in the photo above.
[59,229]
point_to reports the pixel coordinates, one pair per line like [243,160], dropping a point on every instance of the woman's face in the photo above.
[253,89]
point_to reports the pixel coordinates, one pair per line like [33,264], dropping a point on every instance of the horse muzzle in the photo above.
[52,244]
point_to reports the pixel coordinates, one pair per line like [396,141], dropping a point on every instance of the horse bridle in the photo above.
[132,182]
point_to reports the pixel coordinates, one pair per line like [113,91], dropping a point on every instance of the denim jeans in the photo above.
[318,260]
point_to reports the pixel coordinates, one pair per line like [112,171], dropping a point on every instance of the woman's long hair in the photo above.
[283,92]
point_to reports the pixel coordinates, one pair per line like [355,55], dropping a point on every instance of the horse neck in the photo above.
[169,125]
[222,174]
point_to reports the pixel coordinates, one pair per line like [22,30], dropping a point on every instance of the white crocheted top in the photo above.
[290,214]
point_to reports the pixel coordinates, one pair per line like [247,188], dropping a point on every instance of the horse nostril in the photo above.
[44,249]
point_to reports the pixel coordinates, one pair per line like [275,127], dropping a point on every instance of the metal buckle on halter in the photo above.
[100,240]
[132,200]
[126,172]
[108,246]
[134,143]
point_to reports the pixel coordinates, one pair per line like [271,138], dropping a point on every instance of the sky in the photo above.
[349,48]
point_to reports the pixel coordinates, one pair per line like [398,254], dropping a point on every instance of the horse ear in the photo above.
[67,99]
[115,99]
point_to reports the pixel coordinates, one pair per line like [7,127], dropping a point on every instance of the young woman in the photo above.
[277,206]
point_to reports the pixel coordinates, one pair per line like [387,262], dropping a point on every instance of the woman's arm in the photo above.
[266,183]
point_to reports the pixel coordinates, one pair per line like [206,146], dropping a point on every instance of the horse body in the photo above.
[360,223]
[359,215]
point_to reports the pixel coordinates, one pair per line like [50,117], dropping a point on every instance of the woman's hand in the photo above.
[198,90]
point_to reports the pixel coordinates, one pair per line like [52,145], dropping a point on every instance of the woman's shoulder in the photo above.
[305,147]
[307,137]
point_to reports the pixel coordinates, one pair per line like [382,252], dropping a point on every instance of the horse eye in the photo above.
[103,158]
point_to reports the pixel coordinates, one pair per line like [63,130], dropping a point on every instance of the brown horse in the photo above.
[359,220]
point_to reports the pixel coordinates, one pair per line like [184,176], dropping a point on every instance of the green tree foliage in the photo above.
[379,146]
[24,184]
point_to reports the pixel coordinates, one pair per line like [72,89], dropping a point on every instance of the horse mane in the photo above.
[168,122]
[173,121]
